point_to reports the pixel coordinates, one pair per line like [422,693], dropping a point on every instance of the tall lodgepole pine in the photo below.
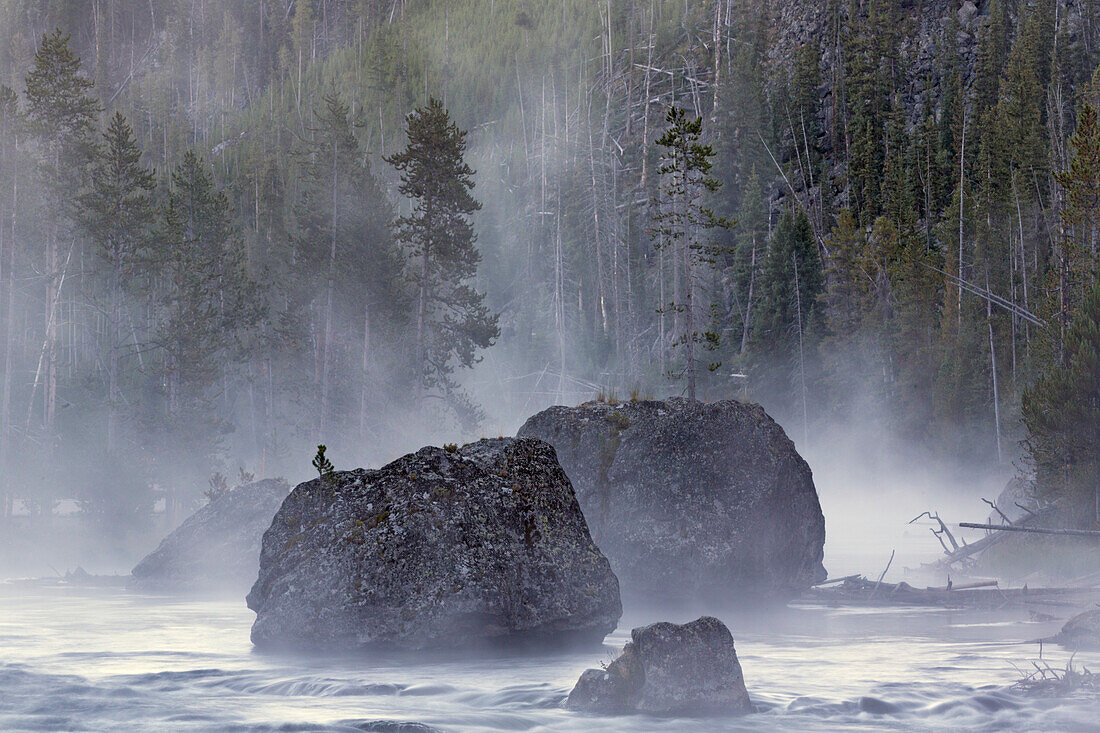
[679,227]
[117,213]
[8,111]
[452,320]
[62,117]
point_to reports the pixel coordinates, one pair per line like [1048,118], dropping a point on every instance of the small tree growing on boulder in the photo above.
[219,487]
[323,465]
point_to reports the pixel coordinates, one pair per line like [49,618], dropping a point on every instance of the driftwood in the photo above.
[984,594]
[1032,530]
[967,551]
[834,581]
[941,532]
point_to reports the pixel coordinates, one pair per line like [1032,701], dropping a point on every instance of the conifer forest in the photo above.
[232,230]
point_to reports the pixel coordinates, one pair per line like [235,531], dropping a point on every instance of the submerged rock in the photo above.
[1080,632]
[668,668]
[217,547]
[691,499]
[439,548]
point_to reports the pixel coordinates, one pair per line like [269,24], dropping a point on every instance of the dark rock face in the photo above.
[667,668]
[1080,632]
[438,549]
[691,499]
[216,548]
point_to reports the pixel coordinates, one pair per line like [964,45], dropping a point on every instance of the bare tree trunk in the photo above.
[993,368]
[421,313]
[801,356]
[689,316]
[113,393]
[365,386]
[746,326]
[326,354]
[962,192]
[8,500]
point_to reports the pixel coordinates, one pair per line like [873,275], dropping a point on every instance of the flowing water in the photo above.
[106,659]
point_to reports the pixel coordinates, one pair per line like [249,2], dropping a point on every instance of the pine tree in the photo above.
[207,302]
[1062,415]
[679,225]
[788,315]
[343,235]
[452,320]
[9,189]
[323,465]
[117,212]
[61,115]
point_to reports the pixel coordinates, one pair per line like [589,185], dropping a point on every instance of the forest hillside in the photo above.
[208,258]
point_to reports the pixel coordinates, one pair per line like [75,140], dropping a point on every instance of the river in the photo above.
[106,659]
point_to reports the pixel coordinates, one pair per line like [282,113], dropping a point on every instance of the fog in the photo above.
[213,262]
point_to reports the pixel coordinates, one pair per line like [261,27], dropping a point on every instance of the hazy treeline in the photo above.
[912,245]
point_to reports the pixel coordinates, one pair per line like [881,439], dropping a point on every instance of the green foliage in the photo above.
[257,294]
[322,464]
[218,487]
[1062,415]
[678,227]
[452,321]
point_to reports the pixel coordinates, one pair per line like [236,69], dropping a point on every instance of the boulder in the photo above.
[668,668]
[443,547]
[217,547]
[1017,493]
[690,499]
[1080,632]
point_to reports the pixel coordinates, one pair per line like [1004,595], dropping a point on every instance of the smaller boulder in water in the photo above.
[668,668]
[217,547]
[1080,632]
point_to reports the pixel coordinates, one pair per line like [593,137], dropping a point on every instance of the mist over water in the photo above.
[104,659]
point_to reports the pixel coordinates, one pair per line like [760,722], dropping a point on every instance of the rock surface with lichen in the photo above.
[441,548]
[668,668]
[218,547]
[689,499]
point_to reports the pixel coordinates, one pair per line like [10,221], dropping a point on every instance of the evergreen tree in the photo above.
[452,320]
[61,115]
[117,212]
[207,301]
[790,292]
[679,225]
[1062,415]
[343,235]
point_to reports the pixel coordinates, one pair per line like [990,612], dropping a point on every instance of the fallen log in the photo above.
[1031,530]
[834,581]
[969,586]
[982,594]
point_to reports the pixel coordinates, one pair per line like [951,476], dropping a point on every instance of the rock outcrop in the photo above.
[1080,632]
[216,548]
[441,548]
[668,668]
[691,499]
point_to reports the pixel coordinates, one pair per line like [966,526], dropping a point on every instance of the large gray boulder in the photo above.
[690,499]
[668,668]
[216,548]
[440,548]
